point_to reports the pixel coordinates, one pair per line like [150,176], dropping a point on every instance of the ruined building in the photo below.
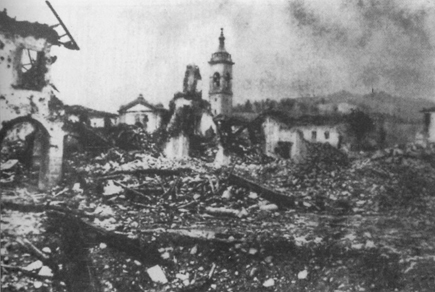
[185,114]
[283,134]
[90,117]
[140,112]
[26,95]
[221,75]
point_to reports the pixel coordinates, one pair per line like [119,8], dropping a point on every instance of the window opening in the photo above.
[138,120]
[32,70]
[314,135]
[216,79]
[326,135]
[228,80]
[283,149]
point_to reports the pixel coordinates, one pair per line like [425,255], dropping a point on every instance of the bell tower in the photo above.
[221,75]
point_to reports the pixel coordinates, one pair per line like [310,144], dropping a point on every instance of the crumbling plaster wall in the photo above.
[206,123]
[299,151]
[154,122]
[178,147]
[221,158]
[333,139]
[276,132]
[34,104]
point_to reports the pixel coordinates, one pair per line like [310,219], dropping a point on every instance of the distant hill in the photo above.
[398,117]
[378,103]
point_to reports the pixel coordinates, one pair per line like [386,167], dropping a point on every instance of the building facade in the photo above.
[283,137]
[140,112]
[26,93]
[221,75]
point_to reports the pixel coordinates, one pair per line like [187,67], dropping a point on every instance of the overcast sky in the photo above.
[280,48]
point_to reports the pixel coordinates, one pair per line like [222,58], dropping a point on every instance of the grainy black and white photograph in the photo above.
[200,146]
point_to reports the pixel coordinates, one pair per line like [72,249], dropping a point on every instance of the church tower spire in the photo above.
[221,75]
[221,42]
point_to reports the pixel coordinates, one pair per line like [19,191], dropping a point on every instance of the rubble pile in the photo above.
[398,153]
[11,171]
[329,182]
[11,150]
[181,225]
[118,160]
[243,150]
[82,136]
[204,148]
[324,156]
[131,137]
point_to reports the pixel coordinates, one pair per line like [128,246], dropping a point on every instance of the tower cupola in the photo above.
[221,55]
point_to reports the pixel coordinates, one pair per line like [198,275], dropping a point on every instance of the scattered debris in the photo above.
[269,283]
[45,272]
[157,275]
[34,266]
[225,211]
[8,165]
[302,274]
[138,211]
[268,207]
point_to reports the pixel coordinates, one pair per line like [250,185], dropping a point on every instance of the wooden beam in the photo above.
[281,200]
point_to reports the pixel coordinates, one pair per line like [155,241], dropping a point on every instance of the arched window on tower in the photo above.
[216,79]
[227,80]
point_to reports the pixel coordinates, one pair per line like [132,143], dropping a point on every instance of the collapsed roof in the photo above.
[13,27]
[79,109]
[306,120]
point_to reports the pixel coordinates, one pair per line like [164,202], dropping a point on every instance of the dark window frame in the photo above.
[216,79]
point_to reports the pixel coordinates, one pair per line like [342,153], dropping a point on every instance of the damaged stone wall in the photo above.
[206,124]
[177,147]
[187,108]
[25,95]
[321,134]
[274,133]
[222,158]
[298,151]
[277,133]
